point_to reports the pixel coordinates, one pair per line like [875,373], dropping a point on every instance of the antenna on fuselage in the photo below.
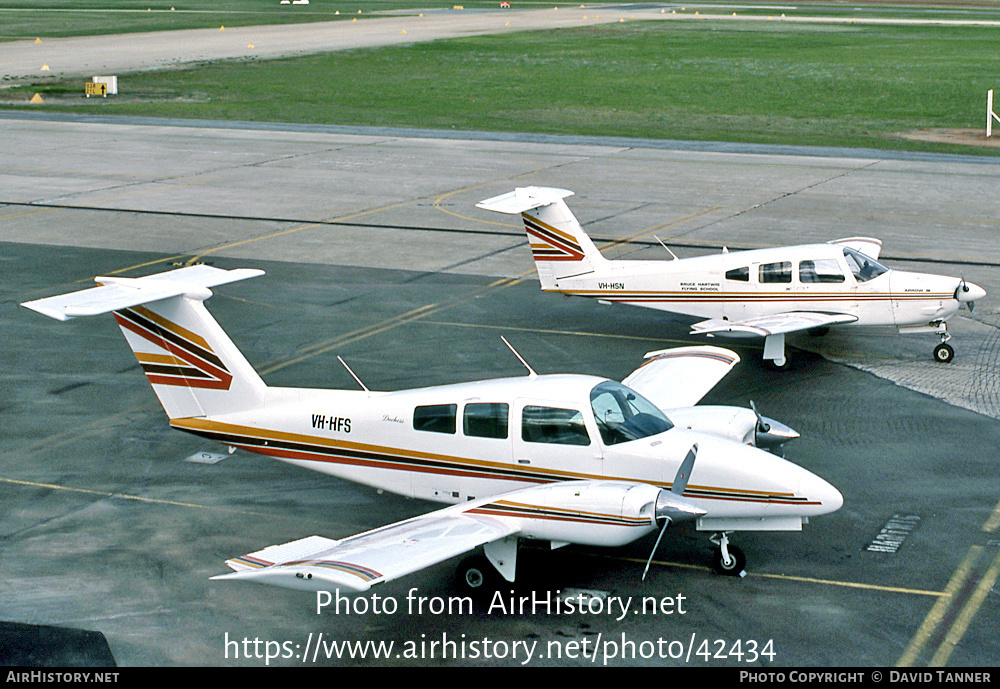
[531,371]
[666,247]
[353,374]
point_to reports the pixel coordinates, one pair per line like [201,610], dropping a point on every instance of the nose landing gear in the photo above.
[943,353]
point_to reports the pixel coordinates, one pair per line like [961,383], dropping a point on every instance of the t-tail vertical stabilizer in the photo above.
[559,245]
[193,366]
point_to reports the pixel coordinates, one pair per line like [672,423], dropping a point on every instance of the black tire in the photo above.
[475,575]
[738,562]
[943,353]
[774,366]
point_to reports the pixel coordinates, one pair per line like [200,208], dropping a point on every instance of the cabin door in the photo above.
[555,442]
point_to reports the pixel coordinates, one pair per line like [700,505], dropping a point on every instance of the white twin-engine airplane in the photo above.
[760,293]
[559,458]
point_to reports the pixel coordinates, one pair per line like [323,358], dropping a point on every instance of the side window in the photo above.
[739,274]
[820,270]
[551,425]
[437,418]
[776,272]
[485,420]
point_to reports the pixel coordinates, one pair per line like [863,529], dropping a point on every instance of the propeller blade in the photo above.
[666,523]
[670,506]
[762,427]
[962,289]
[684,473]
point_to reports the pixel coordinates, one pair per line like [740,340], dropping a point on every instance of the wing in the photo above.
[358,562]
[866,245]
[680,377]
[592,512]
[775,324]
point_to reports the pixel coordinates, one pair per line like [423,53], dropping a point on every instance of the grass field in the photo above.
[779,83]
[20,19]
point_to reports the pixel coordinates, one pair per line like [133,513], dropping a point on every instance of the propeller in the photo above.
[671,506]
[768,433]
[962,294]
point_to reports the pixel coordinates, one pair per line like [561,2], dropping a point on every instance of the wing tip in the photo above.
[720,354]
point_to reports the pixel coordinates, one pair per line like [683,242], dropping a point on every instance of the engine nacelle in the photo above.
[733,423]
[601,513]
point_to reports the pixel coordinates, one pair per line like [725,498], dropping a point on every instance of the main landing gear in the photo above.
[727,559]
[475,575]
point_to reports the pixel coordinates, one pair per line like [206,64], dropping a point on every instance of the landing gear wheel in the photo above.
[475,574]
[737,562]
[774,365]
[943,353]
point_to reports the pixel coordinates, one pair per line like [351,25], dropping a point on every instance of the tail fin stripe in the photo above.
[174,333]
[169,370]
[557,246]
[549,229]
[204,369]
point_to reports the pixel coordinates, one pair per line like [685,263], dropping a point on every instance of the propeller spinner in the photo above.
[769,433]
[967,293]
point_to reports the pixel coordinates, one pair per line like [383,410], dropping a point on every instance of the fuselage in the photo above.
[456,443]
[747,284]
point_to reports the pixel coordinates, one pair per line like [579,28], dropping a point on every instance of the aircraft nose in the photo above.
[968,292]
[817,490]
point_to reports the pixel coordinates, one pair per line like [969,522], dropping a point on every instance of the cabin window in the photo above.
[820,270]
[622,414]
[776,272]
[437,418]
[739,274]
[863,267]
[485,420]
[552,425]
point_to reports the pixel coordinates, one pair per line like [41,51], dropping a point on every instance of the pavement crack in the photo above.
[785,195]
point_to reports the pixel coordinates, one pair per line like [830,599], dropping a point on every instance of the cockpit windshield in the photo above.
[622,414]
[864,267]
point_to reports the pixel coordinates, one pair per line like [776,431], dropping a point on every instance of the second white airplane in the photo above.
[759,293]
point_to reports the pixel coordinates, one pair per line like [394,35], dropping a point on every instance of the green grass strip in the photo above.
[846,85]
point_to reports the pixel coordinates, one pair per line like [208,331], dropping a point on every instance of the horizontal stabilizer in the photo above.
[120,293]
[776,324]
[680,377]
[523,199]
